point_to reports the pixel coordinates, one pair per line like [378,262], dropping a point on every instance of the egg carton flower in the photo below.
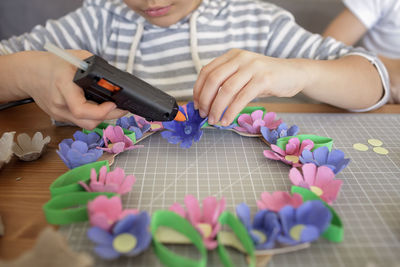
[77,153]
[319,180]
[253,122]
[277,200]
[303,224]
[105,212]
[116,141]
[6,143]
[131,124]
[114,181]
[187,131]
[291,153]
[129,237]
[28,149]
[271,136]
[322,157]
[206,220]
[265,227]
[92,139]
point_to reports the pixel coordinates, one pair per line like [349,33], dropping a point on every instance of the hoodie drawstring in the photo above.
[134,46]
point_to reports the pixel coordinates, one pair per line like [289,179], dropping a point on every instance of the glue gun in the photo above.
[103,82]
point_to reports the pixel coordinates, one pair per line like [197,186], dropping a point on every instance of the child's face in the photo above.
[163,13]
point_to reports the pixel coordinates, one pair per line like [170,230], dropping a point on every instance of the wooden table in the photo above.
[21,200]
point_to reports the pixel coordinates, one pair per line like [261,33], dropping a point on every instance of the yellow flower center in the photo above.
[262,237]
[155,126]
[124,243]
[295,231]
[316,190]
[292,158]
[205,228]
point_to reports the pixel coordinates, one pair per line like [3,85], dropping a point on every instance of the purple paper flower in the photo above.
[304,224]
[130,236]
[322,157]
[282,131]
[265,227]
[185,132]
[92,139]
[131,124]
[77,153]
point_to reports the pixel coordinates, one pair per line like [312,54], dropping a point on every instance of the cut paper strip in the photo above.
[334,232]
[163,218]
[68,182]
[51,249]
[240,231]
[102,126]
[319,141]
[236,131]
[360,147]
[70,208]
[381,150]
[375,142]
[27,149]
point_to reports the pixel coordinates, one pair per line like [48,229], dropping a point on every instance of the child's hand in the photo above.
[49,81]
[237,77]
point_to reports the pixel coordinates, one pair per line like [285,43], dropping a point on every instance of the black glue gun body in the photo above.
[103,82]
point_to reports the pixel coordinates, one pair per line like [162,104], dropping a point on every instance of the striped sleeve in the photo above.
[81,29]
[288,40]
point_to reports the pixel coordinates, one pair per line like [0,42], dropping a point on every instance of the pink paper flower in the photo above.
[104,212]
[116,141]
[252,123]
[206,221]
[319,180]
[277,200]
[113,181]
[291,153]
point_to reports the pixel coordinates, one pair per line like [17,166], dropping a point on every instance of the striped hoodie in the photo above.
[170,58]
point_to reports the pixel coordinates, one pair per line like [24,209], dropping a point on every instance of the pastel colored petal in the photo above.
[287,217]
[178,209]
[127,212]
[118,148]
[244,119]
[331,191]
[220,208]
[210,244]
[193,209]
[341,165]
[190,110]
[309,234]
[127,184]
[209,209]
[324,176]
[79,146]
[100,220]
[240,129]
[295,176]
[243,213]
[257,125]
[271,155]
[187,143]
[125,225]
[294,130]
[309,173]
[278,150]
[258,221]
[103,174]
[314,213]
[335,157]
[99,236]
[257,115]
[306,156]
[321,155]
[306,144]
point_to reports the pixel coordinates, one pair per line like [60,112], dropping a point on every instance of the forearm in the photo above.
[11,76]
[351,82]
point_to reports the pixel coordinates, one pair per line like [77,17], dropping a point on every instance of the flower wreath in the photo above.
[285,221]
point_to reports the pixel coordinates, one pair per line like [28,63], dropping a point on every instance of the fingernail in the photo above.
[195,105]
[224,122]
[203,114]
[211,120]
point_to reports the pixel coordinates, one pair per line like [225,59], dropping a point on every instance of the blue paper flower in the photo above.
[77,153]
[129,236]
[185,132]
[304,224]
[265,227]
[322,157]
[282,131]
[92,139]
[131,124]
